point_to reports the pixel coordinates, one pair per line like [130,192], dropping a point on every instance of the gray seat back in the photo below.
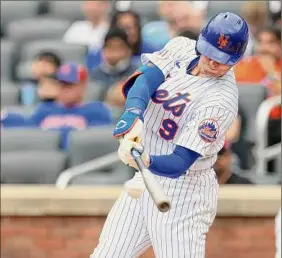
[71,10]
[90,144]
[8,49]
[31,167]
[215,7]
[68,52]
[37,29]
[17,10]
[148,10]
[250,98]
[16,139]
[9,95]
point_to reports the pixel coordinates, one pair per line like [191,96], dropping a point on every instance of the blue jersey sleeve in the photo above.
[139,87]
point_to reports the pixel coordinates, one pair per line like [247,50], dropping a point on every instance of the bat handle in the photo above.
[137,157]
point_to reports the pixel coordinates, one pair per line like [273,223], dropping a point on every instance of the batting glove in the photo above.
[129,125]
[124,153]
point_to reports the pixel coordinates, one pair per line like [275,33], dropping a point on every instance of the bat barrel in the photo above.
[153,187]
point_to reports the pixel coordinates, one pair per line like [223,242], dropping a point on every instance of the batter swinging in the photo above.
[180,104]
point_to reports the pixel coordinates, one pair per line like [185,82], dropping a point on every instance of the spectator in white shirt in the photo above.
[92,30]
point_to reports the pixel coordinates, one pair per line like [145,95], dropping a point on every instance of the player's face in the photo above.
[211,68]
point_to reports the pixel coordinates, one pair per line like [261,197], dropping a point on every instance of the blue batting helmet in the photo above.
[224,39]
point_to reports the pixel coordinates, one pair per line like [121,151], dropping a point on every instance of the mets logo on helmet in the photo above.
[223,41]
[208,130]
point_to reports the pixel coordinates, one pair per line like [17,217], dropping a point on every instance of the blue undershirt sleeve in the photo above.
[139,94]
[175,164]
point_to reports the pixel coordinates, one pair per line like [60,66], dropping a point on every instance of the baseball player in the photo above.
[179,105]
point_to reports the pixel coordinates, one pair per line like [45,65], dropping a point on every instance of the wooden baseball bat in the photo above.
[154,188]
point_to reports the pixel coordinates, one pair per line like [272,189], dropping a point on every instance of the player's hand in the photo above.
[124,153]
[129,125]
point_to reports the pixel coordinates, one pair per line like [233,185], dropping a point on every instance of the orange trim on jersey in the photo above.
[131,77]
[128,130]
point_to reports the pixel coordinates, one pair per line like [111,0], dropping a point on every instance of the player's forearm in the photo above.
[175,164]
[139,90]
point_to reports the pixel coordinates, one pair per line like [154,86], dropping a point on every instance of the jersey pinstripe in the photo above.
[185,110]
[208,99]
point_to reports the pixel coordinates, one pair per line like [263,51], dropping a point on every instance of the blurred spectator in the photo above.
[265,68]
[114,96]
[223,168]
[92,30]
[69,112]
[156,34]
[239,144]
[9,120]
[266,61]
[275,13]
[117,62]
[48,89]
[131,23]
[256,15]
[45,63]
[189,34]
[181,16]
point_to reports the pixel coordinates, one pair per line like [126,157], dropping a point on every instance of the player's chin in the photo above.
[214,74]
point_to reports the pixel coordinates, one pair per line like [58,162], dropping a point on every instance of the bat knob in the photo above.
[164,207]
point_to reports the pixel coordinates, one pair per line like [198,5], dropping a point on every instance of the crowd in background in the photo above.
[115,37]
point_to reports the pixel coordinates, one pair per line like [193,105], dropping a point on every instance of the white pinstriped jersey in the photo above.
[188,110]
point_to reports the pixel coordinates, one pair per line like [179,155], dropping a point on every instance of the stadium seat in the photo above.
[70,10]
[90,144]
[117,176]
[250,98]
[31,167]
[148,10]
[8,49]
[22,139]
[10,95]
[68,52]
[36,29]
[17,10]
